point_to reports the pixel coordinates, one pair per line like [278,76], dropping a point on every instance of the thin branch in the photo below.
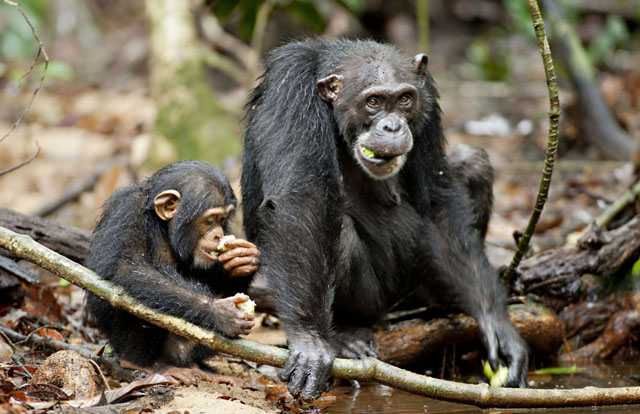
[552,143]
[422,15]
[362,369]
[614,209]
[262,18]
[23,163]
[41,51]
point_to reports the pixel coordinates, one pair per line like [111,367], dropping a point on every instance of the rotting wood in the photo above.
[410,342]
[69,241]
[557,272]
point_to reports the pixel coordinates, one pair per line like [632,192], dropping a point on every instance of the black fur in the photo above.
[151,259]
[339,247]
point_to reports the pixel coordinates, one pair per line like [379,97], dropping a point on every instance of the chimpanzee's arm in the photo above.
[466,278]
[291,207]
[189,300]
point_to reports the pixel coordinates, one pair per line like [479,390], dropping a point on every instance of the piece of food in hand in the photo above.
[249,306]
[224,240]
[497,378]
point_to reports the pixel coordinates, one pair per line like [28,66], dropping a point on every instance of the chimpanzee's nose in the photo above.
[390,124]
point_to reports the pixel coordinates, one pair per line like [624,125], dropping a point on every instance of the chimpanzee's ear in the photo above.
[329,87]
[166,204]
[420,64]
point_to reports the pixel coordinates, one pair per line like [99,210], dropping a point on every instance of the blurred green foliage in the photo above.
[614,35]
[16,39]
[490,57]
[306,11]
[17,42]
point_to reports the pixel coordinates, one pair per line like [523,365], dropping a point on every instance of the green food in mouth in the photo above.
[368,152]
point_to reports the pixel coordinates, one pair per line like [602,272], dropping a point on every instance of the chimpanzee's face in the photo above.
[374,105]
[210,228]
[194,236]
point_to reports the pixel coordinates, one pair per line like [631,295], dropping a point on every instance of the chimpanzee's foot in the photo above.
[356,342]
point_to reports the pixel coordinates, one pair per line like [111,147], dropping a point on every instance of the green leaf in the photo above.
[248,18]
[56,70]
[635,270]
[558,370]
[222,8]
[354,6]
[307,12]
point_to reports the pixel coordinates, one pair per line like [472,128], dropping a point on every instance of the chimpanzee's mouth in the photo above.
[368,155]
[212,255]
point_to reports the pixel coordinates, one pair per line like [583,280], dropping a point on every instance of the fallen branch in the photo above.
[364,369]
[557,272]
[69,241]
[415,340]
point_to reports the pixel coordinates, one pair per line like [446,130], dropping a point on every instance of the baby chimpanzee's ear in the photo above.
[166,204]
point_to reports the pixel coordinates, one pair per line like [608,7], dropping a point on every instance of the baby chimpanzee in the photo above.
[159,239]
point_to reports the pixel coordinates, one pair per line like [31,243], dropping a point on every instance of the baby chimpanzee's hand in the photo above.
[240,258]
[230,320]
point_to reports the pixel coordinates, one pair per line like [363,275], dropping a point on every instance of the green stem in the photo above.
[552,143]
[422,15]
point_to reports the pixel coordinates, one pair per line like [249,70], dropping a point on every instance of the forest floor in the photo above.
[78,129]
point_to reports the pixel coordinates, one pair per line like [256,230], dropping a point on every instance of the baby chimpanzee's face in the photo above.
[210,228]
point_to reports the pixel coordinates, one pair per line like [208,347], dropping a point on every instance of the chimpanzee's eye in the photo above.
[373,101]
[212,220]
[405,99]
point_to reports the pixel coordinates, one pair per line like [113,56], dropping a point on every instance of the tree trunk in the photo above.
[188,117]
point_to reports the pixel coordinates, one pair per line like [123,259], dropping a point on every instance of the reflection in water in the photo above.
[375,398]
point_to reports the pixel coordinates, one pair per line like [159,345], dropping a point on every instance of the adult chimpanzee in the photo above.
[349,195]
[159,240]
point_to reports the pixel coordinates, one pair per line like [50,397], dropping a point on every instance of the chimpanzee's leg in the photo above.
[471,168]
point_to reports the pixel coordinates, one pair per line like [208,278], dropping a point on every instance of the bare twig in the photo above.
[23,163]
[41,51]
[362,369]
[612,211]
[552,143]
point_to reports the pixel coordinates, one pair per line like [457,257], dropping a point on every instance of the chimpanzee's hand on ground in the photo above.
[501,339]
[241,258]
[308,367]
[356,342]
[230,320]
